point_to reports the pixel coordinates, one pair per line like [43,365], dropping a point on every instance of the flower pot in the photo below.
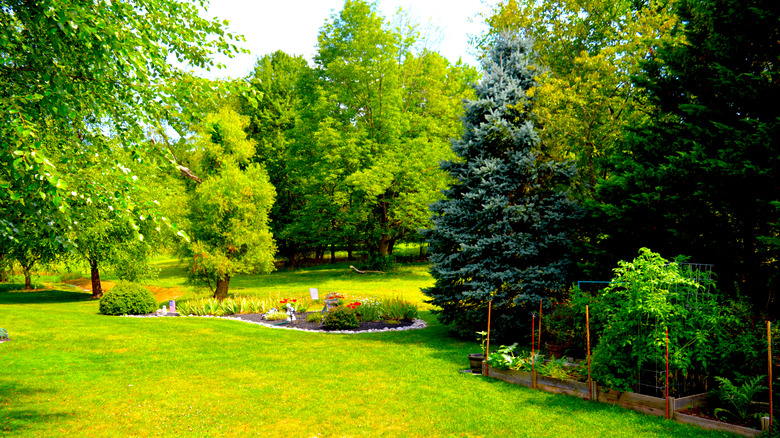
[557,350]
[475,362]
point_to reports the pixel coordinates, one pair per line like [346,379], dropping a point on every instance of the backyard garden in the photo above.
[71,371]
[578,237]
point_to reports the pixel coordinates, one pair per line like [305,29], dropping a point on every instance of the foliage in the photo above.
[398,309]
[229,209]
[3,333]
[128,299]
[482,339]
[76,77]
[738,396]
[561,322]
[379,262]
[700,178]
[505,358]
[276,315]
[586,101]
[353,145]
[646,297]
[340,318]
[314,317]
[371,309]
[560,369]
[503,233]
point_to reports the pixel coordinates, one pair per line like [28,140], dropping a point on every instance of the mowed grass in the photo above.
[69,371]
[405,282]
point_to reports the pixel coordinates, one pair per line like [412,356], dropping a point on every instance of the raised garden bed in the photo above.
[682,409]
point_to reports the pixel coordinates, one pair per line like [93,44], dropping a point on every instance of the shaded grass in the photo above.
[69,371]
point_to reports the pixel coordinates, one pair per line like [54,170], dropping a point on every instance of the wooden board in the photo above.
[559,386]
[682,403]
[715,425]
[638,402]
[517,377]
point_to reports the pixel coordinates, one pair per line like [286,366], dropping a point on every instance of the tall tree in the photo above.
[229,209]
[73,73]
[395,122]
[502,234]
[700,179]
[585,99]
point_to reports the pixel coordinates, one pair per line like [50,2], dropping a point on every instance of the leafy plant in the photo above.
[275,315]
[340,318]
[560,369]
[646,297]
[396,308]
[739,397]
[482,339]
[314,317]
[505,358]
[560,323]
[127,299]
[3,333]
[371,309]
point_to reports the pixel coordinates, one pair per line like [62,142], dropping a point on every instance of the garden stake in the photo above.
[667,373]
[587,332]
[769,352]
[533,335]
[540,324]
[487,345]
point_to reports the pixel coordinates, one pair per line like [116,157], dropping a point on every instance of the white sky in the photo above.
[293,25]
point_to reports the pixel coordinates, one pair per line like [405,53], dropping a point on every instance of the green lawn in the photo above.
[69,371]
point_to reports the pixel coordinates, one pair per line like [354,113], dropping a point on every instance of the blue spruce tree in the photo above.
[503,231]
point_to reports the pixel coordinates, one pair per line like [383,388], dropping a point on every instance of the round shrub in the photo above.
[340,318]
[128,299]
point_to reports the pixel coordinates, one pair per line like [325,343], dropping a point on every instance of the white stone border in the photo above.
[416,324]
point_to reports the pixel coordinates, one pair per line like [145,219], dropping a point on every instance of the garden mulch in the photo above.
[301,323]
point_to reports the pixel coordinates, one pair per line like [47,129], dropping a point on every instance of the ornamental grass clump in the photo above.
[399,309]
[128,299]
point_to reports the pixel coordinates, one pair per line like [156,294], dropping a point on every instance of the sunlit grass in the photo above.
[69,371]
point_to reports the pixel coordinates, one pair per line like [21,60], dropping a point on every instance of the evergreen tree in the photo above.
[503,232]
[701,178]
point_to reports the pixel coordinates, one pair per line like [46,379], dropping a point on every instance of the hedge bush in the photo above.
[340,318]
[128,299]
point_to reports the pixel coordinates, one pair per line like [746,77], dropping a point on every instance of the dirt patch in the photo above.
[160,293]
[85,284]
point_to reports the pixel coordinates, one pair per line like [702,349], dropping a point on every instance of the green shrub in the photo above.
[128,299]
[3,333]
[340,318]
[314,317]
[378,262]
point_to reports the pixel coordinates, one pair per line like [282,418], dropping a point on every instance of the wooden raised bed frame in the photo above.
[638,402]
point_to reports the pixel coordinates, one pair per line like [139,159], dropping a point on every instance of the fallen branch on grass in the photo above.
[363,272]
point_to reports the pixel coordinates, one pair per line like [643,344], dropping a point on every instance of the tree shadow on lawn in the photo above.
[436,339]
[15,418]
[14,294]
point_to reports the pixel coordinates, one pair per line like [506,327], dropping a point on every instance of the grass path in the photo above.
[69,371]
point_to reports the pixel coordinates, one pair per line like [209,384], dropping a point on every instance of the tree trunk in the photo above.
[3,271]
[332,253]
[384,245]
[350,256]
[27,278]
[97,288]
[221,292]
